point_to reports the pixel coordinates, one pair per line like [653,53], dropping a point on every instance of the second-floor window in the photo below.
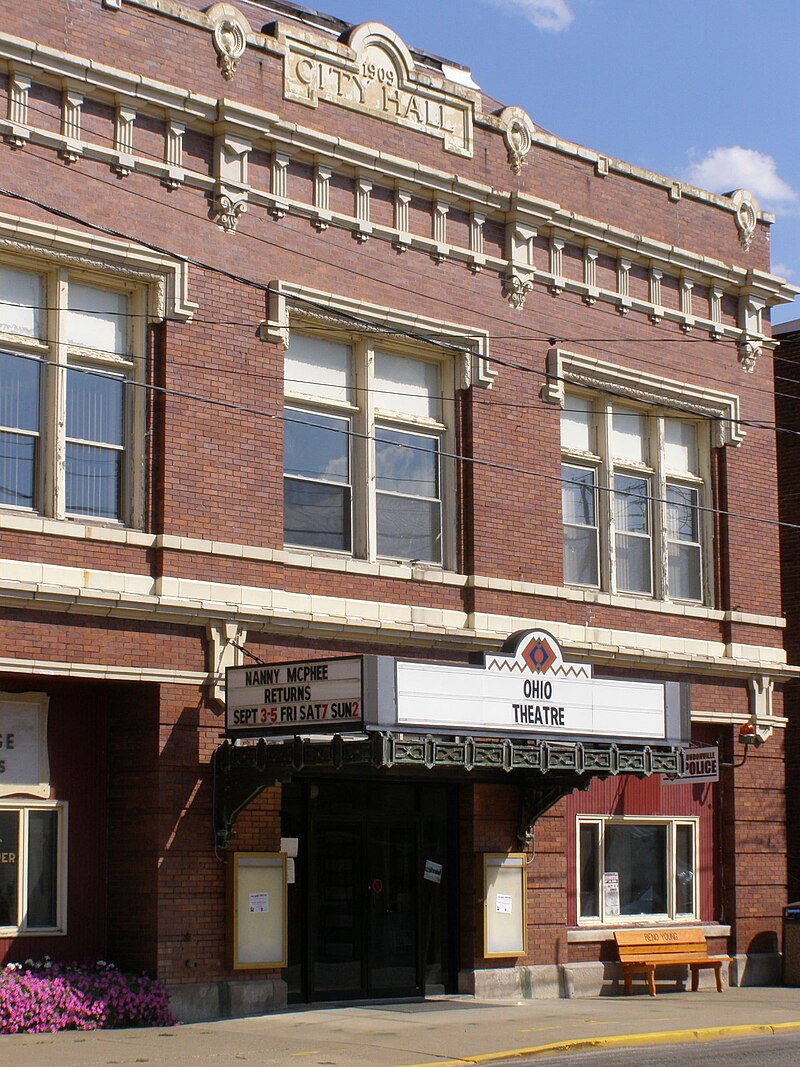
[635,484]
[366,429]
[69,411]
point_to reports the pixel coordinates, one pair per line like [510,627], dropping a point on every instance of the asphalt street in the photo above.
[755,1022]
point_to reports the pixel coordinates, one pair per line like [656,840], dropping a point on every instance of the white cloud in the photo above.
[784,270]
[551,15]
[725,169]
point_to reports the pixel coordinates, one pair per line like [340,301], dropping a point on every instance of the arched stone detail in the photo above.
[747,212]
[376,35]
[229,29]
[518,131]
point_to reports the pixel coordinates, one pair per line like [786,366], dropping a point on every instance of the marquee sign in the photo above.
[532,690]
[302,697]
[527,690]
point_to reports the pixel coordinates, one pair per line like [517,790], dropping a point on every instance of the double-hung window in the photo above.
[365,430]
[32,868]
[635,488]
[636,869]
[70,355]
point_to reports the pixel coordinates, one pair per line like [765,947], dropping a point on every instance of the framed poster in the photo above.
[505,913]
[256,909]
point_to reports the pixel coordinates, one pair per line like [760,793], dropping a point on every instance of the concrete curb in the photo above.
[663,1037]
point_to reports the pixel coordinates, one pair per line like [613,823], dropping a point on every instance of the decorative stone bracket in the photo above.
[761,688]
[231,154]
[750,343]
[223,637]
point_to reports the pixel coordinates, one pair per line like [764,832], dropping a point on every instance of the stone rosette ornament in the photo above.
[229,30]
[518,131]
[747,212]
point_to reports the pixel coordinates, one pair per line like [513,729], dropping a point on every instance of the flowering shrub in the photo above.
[42,996]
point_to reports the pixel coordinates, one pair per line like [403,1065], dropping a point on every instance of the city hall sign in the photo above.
[375,73]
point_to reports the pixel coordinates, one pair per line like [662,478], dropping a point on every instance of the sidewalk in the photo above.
[442,1032]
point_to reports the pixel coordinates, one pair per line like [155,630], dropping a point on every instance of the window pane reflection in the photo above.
[9,868]
[639,855]
[42,868]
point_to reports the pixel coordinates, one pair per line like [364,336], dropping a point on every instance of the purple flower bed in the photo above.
[47,996]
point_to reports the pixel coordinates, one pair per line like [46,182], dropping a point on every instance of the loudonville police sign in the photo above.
[527,690]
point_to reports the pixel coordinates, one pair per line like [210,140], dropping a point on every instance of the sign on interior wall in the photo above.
[24,763]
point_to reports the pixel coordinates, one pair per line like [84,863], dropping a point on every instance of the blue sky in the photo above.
[701,90]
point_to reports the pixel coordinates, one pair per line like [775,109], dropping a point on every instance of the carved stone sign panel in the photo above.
[375,73]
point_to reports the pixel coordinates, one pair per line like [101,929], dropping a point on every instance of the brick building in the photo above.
[312,354]
[787,391]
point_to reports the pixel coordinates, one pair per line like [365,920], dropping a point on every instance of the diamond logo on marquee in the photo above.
[539,656]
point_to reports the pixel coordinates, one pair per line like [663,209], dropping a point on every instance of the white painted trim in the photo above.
[290,300]
[110,672]
[671,916]
[565,369]
[736,718]
[49,587]
[346,564]
[61,807]
[55,245]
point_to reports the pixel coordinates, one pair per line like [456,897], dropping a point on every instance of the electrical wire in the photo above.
[460,458]
[282,247]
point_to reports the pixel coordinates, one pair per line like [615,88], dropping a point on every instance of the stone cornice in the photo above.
[226,117]
[276,46]
[403,572]
[72,590]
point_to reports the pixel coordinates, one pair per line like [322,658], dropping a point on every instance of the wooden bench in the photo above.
[642,951]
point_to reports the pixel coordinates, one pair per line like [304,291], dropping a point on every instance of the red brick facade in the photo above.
[116,624]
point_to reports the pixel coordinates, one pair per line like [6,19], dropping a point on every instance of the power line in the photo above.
[454,456]
[673,409]
[254,237]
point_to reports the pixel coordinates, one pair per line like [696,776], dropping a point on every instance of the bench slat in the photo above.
[645,950]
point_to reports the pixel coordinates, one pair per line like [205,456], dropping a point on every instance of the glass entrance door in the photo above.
[393,892]
[366,931]
[374,902]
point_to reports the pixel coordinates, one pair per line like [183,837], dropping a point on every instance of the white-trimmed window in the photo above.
[71,417]
[366,430]
[632,870]
[33,867]
[635,489]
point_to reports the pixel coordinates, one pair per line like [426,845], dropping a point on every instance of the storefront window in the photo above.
[31,868]
[634,869]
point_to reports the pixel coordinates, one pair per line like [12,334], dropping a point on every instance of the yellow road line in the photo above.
[662,1037]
